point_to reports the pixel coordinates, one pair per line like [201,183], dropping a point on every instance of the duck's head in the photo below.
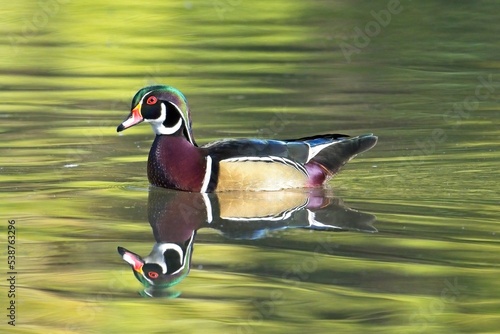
[164,107]
[165,266]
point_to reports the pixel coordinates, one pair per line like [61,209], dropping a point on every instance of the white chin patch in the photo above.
[159,128]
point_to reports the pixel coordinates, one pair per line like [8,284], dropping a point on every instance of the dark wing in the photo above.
[339,151]
[253,149]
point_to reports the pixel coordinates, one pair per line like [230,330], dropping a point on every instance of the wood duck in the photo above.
[176,216]
[166,265]
[177,162]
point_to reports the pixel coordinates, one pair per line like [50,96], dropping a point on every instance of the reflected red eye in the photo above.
[153,274]
[151,100]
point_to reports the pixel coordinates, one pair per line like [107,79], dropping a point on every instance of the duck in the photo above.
[175,217]
[175,160]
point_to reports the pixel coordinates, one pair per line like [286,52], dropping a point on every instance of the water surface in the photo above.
[426,82]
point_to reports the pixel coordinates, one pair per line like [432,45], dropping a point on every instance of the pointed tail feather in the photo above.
[333,157]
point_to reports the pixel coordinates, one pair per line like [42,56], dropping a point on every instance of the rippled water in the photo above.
[423,77]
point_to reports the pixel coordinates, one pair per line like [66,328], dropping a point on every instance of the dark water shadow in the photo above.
[175,217]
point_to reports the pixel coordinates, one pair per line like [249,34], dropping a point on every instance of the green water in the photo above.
[424,78]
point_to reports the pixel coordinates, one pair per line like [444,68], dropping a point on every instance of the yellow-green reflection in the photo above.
[175,218]
[267,69]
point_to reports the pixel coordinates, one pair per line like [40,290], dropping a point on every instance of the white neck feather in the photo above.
[159,128]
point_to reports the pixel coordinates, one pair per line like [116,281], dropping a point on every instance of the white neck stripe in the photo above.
[157,124]
[208,173]
[208,207]
[186,124]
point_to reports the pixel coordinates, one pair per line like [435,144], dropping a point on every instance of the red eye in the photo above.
[153,274]
[151,100]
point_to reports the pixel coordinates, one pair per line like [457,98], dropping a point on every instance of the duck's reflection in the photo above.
[175,216]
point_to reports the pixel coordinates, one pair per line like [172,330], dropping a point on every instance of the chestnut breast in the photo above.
[175,163]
